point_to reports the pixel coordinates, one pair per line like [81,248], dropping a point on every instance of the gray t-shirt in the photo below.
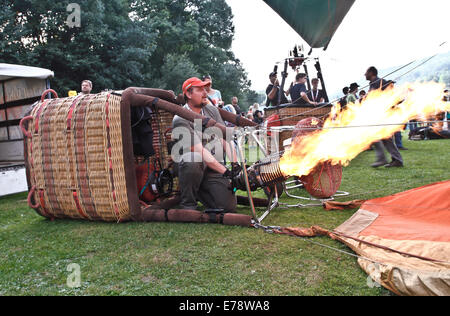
[195,131]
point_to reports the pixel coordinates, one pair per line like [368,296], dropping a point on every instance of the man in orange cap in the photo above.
[201,169]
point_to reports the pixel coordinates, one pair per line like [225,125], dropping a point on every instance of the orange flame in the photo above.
[348,133]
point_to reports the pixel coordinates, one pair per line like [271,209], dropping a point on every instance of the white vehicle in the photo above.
[20,87]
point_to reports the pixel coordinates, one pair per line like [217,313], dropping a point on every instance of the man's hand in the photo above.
[227,174]
[235,171]
[234,175]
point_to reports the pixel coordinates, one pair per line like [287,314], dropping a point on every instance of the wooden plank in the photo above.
[23,88]
[17,112]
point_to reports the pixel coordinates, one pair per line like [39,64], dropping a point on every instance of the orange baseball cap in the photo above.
[193,82]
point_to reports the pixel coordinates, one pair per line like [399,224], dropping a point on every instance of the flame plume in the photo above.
[350,132]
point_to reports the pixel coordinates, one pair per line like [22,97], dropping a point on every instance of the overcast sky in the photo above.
[383,33]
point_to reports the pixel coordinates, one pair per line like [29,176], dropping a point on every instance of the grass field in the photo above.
[196,259]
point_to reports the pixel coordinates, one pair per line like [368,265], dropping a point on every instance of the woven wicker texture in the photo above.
[75,158]
[325,179]
[162,127]
[290,116]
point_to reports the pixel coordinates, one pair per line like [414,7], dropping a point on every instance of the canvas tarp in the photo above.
[315,21]
[8,71]
[403,240]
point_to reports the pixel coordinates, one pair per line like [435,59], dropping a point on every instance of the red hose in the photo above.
[48,91]
[30,196]
[24,131]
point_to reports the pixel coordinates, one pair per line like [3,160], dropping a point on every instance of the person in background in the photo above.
[214,96]
[86,87]
[256,109]
[397,159]
[258,117]
[362,95]
[447,99]
[250,111]
[273,90]
[315,94]
[352,91]
[399,141]
[234,103]
[375,82]
[343,100]
[298,91]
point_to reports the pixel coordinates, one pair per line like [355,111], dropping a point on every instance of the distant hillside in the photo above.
[437,69]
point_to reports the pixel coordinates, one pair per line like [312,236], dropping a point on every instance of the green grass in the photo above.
[196,259]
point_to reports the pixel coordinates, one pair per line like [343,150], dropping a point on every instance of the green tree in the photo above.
[121,43]
[108,48]
[194,35]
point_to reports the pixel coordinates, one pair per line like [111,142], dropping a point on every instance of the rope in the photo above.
[270,229]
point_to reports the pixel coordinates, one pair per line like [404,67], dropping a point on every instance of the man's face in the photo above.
[273,79]
[234,100]
[368,75]
[208,86]
[315,84]
[86,87]
[197,96]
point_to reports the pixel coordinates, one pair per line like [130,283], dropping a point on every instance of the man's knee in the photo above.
[219,189]
[231,204]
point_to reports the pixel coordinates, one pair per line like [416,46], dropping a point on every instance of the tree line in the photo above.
[122,43]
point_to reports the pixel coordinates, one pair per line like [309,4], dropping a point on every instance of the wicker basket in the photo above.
[162,125]
[78,153]
[291,115]
[74,158]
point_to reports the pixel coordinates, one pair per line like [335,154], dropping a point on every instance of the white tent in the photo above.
[8,71]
